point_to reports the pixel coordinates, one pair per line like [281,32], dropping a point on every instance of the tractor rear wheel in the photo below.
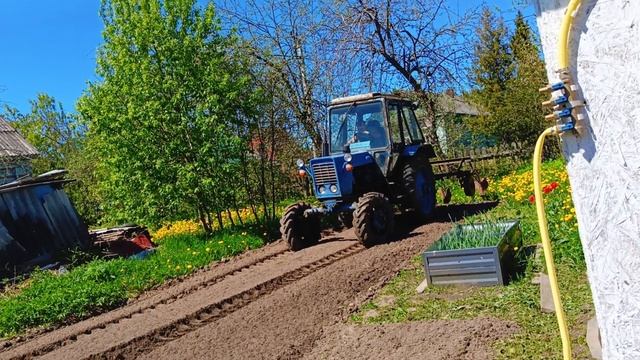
[298,230]
[373,219]
[419,187]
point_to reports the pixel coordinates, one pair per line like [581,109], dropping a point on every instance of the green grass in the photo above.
[538,337]
[48,298]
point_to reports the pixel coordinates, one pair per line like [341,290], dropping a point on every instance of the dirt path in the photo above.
[270,303]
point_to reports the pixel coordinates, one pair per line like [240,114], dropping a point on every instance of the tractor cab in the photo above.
[374,157]
[382,125]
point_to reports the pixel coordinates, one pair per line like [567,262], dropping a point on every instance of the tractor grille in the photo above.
[324,173]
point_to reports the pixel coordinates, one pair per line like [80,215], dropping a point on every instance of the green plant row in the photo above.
[471,236]
[51,298]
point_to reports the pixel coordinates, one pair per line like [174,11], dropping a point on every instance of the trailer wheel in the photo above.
[296,229]
[419,187]
[468,184]
[373,219]
[346,219]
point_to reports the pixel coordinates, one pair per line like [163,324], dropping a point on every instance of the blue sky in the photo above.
[50,46]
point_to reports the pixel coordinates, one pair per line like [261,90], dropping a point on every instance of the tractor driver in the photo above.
[361,133]
[376,134]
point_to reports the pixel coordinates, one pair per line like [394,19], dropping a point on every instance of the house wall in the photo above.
[10,170]
[604,162]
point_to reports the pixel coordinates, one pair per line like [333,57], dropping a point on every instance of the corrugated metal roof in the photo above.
[13,144]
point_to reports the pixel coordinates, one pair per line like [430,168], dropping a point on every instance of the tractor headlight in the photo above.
[347,157]
[300,163]
[321,189]
[333,188]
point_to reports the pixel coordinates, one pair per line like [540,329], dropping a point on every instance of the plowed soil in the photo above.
[274,304]
[439,339]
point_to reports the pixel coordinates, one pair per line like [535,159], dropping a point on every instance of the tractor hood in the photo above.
[331,180]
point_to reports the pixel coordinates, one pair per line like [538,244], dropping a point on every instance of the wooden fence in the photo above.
[486,159]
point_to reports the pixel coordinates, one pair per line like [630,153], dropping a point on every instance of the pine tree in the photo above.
[506,74]
[525,100]
[491,73]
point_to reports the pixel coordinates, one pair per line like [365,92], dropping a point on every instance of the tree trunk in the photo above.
[233,224]
[203,220]
[219,218]
[430,126]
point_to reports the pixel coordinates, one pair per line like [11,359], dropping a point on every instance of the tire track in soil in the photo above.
[167,320]
[320,298]
[203,317]
[50,339]
[287,323]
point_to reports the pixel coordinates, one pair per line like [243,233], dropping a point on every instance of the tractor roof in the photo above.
[365,97]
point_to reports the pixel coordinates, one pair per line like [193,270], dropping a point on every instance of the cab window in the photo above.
[412,128]
[361,125]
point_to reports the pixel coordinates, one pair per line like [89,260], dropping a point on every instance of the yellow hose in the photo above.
[546,243]
[565,28]
[563,65]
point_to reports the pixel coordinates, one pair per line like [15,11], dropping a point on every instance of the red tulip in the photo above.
[532,199]
[554,185]
[547,189]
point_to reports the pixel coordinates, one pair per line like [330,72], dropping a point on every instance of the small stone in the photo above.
[423,285]
[386,300]
[370,314]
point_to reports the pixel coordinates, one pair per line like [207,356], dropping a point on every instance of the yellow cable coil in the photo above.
[546,243]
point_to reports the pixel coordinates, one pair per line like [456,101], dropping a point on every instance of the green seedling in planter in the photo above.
[470,236]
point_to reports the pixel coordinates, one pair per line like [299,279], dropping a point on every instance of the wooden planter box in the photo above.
[476,266]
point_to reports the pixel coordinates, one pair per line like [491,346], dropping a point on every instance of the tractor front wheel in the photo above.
[298,230]
[373,219]
[346,219]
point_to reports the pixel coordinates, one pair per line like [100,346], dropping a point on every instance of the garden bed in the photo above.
[474,254]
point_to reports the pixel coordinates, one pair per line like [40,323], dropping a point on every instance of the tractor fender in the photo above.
[425,150]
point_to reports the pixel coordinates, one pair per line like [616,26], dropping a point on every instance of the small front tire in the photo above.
[346,219]
[373,219]
[298,230]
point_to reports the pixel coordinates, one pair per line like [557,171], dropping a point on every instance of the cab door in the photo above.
[394,119]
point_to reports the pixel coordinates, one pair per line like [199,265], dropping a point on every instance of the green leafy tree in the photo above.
[60,139]
[491,73]
[172,92]
[54,132]
[507,73]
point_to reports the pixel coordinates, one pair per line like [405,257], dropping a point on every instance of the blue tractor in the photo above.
[375,157]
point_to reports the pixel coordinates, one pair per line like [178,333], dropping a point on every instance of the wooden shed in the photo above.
[15,154]
[37,222]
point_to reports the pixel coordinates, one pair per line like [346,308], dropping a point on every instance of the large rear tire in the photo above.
[419,187]
[373,219]
[296,229]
